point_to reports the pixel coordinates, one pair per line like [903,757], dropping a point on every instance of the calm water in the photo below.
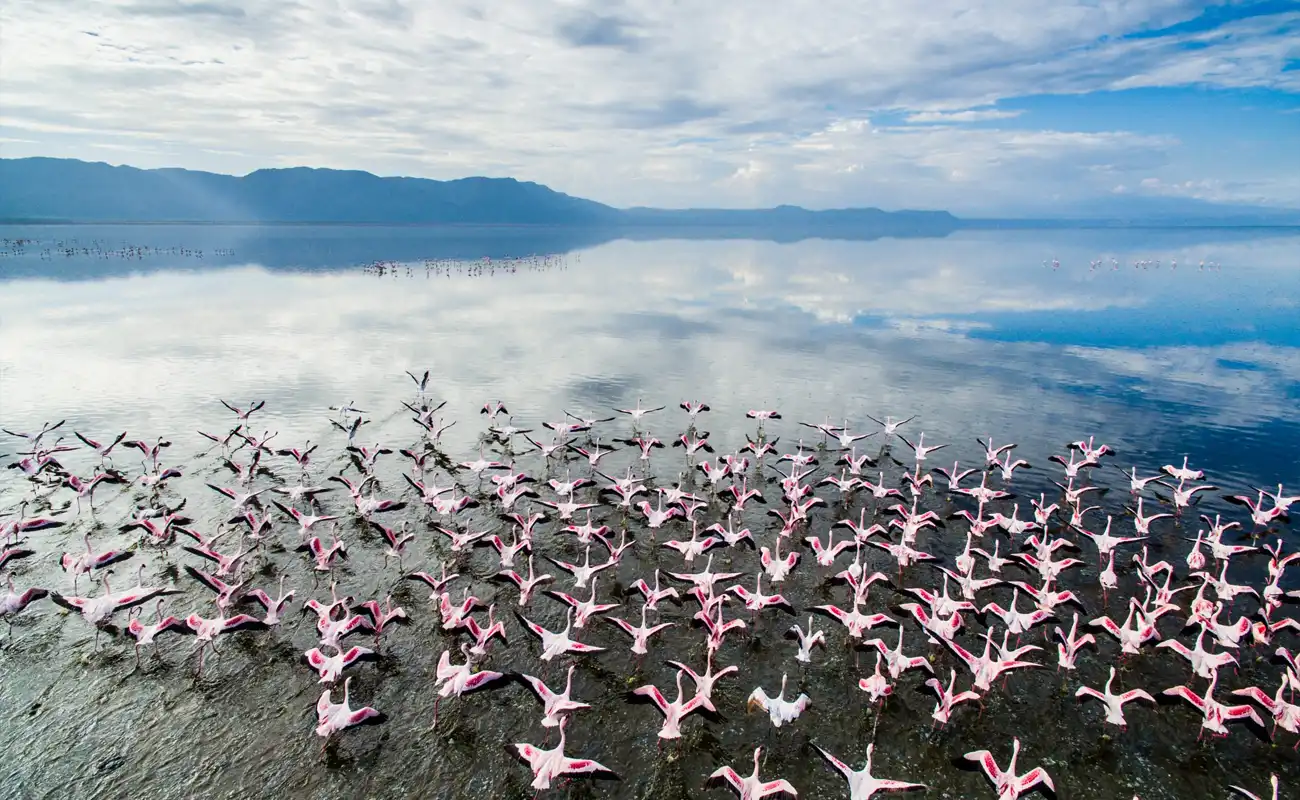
[971,333]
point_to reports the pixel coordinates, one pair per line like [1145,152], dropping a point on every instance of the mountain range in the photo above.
[73,191]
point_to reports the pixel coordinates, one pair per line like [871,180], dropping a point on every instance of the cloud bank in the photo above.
[648,103]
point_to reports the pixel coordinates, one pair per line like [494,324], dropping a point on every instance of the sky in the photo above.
[975,106]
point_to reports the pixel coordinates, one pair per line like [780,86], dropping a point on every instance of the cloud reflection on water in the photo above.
[815,328]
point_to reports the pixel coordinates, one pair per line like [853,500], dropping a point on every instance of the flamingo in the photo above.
[1252,795]
[897,662]
[555,705]
[585,609]
[146,633]
[674,712]
[526,585]
[207,629]
[1114,702]
[1067,650]
[1285,715]
[704,682]
[1008,784]
[655,594]
[455,680]
[947,698]
[756,601]
[779,710]
[862,784]
[483,636]
[1214,714]
[876,686]
[334,717]
[807,640]
[13,602]
[83,563]
[557,643]
[640,634]
[329,668]
[751,788]
[547,765]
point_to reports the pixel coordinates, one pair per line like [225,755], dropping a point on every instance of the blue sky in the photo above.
[978,106]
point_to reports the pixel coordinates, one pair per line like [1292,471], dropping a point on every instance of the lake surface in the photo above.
[977,334]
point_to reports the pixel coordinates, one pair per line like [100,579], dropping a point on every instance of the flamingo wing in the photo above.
[537,630]
[70,603]
[898,786]
[655,696]
[1187,694]
[730,776]
[565,598]
[355,653]
[698,701]
[962,653]
[543,692]
[833,611]
[626,626]
[578,766]
[801,704]
[835,762]
[1108,624]
[1034,777]
[1242,712]
[775,787]
[1256,694]
[316,659]
[1136,694]
[986,762]
[692,673]
[242,621]
[1005,666]
[361,716]
[480,679]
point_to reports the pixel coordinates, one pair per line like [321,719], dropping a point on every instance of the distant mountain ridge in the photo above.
[51,190]
[68,190]
[78,191]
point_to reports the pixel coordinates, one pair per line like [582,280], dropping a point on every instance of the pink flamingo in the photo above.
[862,784]
[555,704]
[674,712]
[334,717]
[1008,784]
[751,787]
[547,765]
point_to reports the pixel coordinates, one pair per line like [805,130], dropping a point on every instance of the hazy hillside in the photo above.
[47,189]
[78,191]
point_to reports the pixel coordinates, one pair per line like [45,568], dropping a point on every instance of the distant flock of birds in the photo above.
[473,268]
[1140,263]
[998,548]
[100,249]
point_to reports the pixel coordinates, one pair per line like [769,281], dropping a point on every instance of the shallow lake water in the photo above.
[146,328]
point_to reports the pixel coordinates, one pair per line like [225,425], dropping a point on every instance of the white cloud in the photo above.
[967,115]
[1220,191]
[636,103]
